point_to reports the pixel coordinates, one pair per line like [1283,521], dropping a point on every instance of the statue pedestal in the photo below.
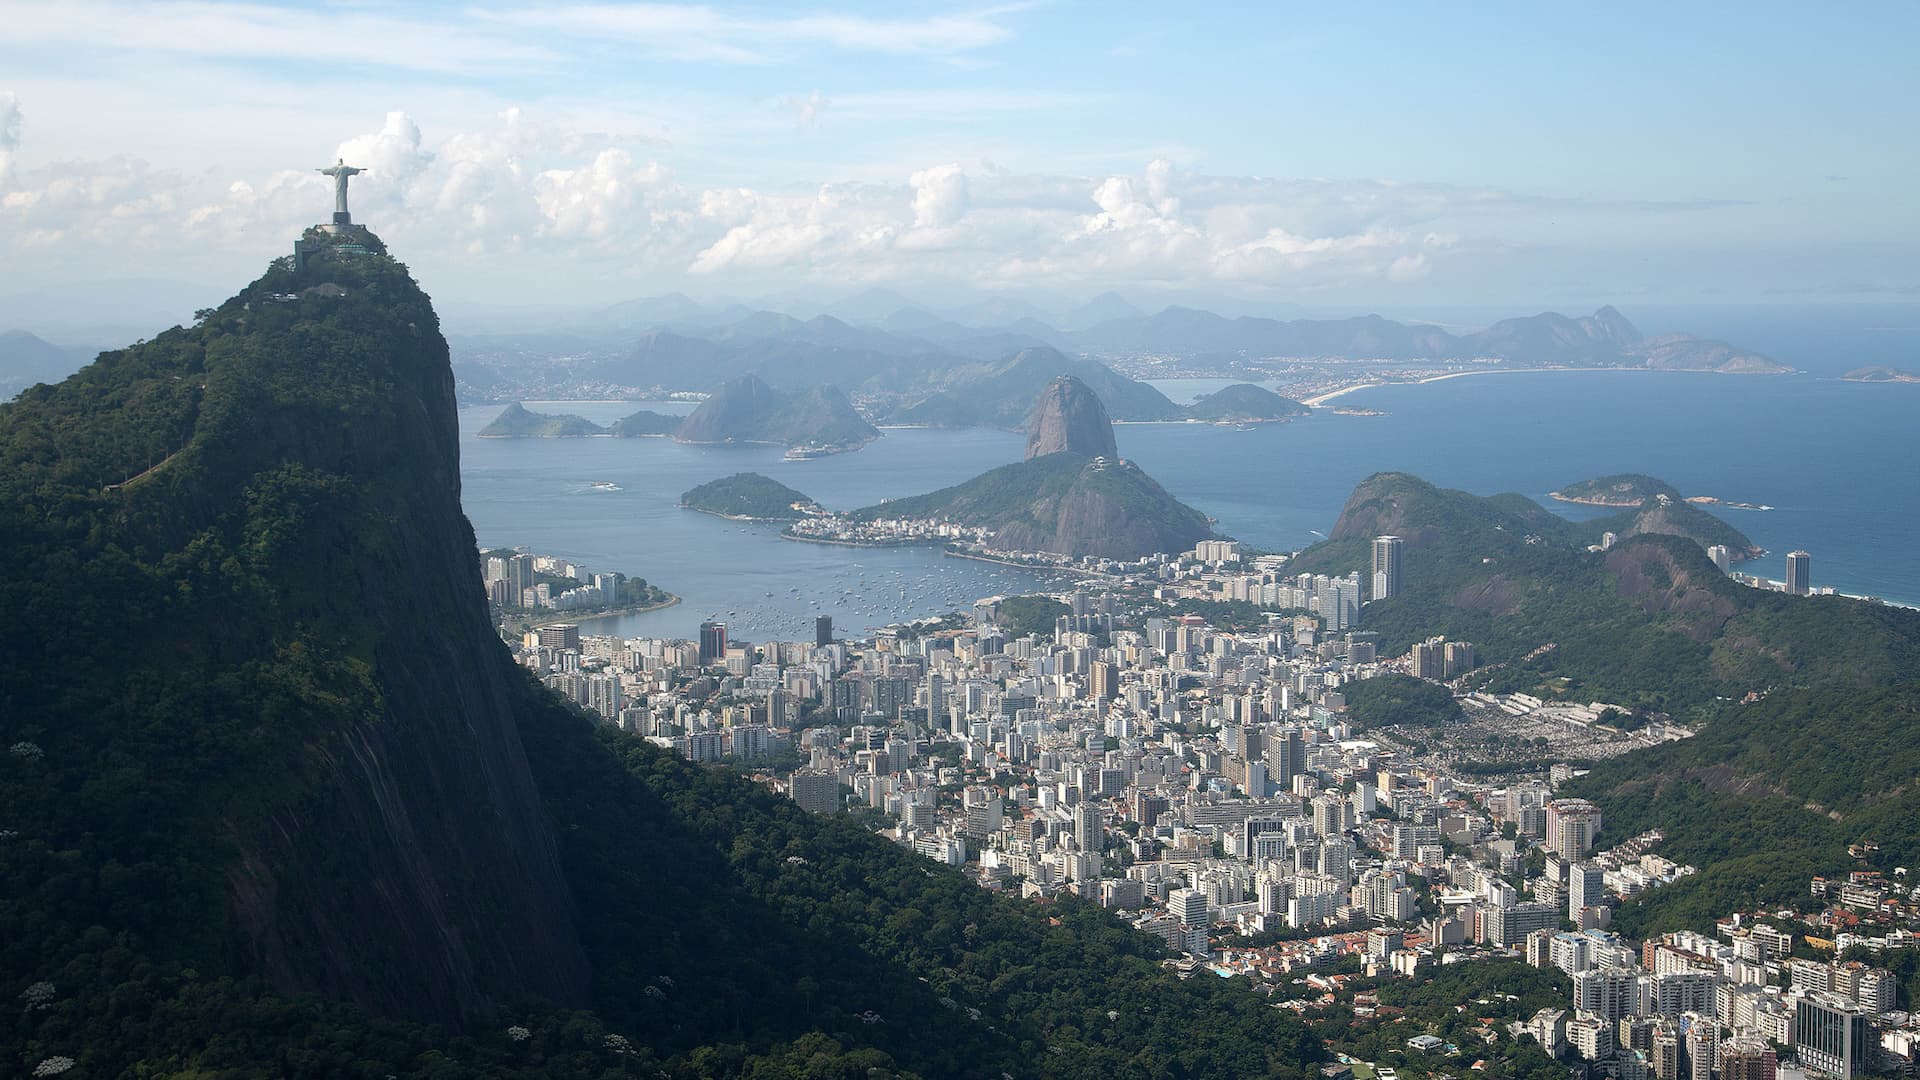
[341,217]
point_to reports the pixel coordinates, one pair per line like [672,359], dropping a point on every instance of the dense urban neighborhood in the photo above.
[1221,753]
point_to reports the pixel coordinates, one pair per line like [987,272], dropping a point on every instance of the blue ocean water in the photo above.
[1835,459]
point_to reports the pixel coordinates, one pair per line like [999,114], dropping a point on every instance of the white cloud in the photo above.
[554,208]
[939,196]
[9,134]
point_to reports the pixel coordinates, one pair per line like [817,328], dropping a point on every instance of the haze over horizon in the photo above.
[1445,158]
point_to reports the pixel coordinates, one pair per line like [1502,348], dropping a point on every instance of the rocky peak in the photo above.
[1069,419]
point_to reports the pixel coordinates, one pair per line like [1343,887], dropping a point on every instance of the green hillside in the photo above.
[1063,503]
[1244,402]
[1769,794]
[1650,624]
[277,801]
[644,422]
[748,495]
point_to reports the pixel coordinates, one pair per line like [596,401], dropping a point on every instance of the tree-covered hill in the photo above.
[276,800]
[1769,794]
[1063,503]
[1244,402]
[747,495]
[1648,624]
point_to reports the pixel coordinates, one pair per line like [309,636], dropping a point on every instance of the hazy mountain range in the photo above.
[897,359]
[901,362]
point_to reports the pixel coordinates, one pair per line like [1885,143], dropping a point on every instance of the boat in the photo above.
[604,485]
[808,451]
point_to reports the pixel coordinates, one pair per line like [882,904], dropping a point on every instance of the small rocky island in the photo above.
[1648,504]
[749,497]
[1880,373]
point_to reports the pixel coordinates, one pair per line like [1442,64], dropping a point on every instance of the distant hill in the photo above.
[747,410]
[518,422]
[747,495]
[1245,402]
[1106,307]
[1603,339]
[645,422]
[1063,498]
[1002,395]
[26,359]
[1880,374]
[1650,623]
[1683,352]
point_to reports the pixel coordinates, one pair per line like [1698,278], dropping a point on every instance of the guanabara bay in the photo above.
[987,541]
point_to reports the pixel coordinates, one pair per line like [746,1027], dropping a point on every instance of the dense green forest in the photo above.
[1399,699]
[1768,795]
[1451,1004]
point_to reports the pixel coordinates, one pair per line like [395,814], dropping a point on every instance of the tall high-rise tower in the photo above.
[713,643]
[1386,567]
[1799,573]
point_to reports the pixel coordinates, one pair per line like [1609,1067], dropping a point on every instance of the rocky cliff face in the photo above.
[1069,419]
[305,708]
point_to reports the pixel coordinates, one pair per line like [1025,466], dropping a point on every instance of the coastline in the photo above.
[1318,400]
[614,613]
[785,535]
[950,553]
[737,517]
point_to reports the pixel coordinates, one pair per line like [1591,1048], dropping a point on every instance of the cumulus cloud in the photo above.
[939,196]
[9,134]
[521,186]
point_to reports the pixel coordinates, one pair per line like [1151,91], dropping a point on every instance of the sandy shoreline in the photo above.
[1320,399]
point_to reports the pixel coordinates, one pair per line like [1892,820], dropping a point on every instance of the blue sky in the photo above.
[1316,154]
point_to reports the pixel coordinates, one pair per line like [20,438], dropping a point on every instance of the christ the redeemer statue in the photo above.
[340,171]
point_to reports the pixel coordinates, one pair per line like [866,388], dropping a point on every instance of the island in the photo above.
[516,421]
[747,410]
[1623,490]
[1649,505]
[749,496]
[644,424]
[1880,373]
[1245,403]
